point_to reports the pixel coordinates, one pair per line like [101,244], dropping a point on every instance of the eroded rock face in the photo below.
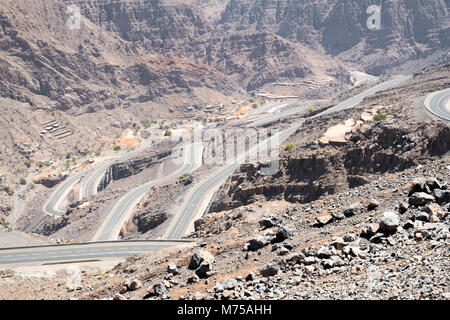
[312,173]
[50,179]
[340,27]
[129,168]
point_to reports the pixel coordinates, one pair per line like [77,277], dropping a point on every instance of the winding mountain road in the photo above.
[198,199]
[194,205]
[124,206]
[438,104]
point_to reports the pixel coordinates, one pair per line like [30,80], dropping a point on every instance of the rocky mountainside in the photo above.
[408,29]
[315,168]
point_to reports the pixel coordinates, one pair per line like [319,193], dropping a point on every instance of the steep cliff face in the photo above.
[295,20]
[253,58]
[148,49]
[45,63]
[310,174]
[408,29]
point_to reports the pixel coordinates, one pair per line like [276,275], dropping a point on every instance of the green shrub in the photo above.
[289,146]
[23,181]
[310,110]
[117,148]
[28,163]
[97,153]
[167,133]
[380,116]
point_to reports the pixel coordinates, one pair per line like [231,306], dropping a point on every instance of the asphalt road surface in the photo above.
[438,104]
[199,198]
[124,207]
[89,179]
[194,205]
[82,252]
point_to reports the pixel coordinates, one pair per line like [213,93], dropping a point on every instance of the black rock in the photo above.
[257,243]
[353,209]
[283,233]
[420,199]
[441,196]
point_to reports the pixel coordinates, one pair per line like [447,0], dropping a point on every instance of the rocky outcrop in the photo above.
[409,29]
[50,179]
[129,168]
[310,174]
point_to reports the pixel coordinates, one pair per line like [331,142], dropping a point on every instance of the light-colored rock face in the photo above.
[337,134]
[390,221]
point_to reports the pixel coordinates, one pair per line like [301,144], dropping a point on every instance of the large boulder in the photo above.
[389,222]
[420,199]
[198,257]
[257,243]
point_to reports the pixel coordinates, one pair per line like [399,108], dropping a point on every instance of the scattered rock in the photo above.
[353,209]
[123,290]
[283,233]
[373,204]
[229,283]
[324,219]
[389,222]
[193,279]
[441,196]
[257,243]
[159,289]
[420,199]
[272,267]
[203,269]
[268,221]
[118,296]
[172,269]
[324,252]
[199,257]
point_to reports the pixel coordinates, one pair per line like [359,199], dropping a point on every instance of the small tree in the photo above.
[117,148]
[23,181]
[167,133]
